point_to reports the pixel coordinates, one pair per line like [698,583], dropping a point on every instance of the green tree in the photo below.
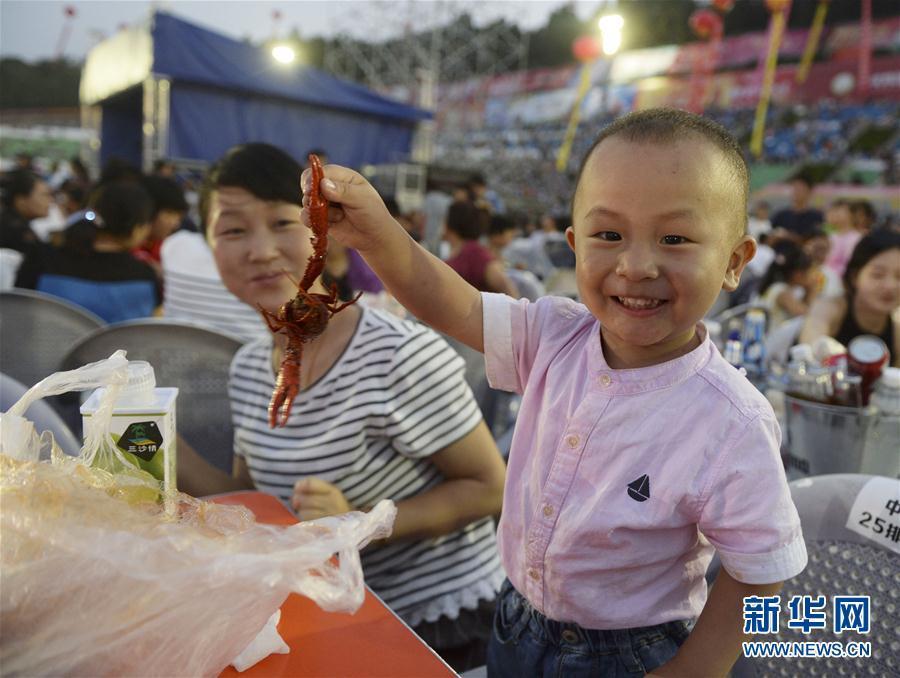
[552,44]
[45,84]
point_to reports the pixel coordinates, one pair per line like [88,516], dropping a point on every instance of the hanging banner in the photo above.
[780,10]
[812,42]
[562,157]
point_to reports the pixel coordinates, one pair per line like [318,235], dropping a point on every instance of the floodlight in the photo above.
[611,33]
[283,54]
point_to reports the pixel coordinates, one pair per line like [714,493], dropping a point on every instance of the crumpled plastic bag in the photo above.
[96,583]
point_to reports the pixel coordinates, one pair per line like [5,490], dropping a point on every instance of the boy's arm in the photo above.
[715,643]
[425,285]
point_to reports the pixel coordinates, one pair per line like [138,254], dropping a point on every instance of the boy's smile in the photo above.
[655,234]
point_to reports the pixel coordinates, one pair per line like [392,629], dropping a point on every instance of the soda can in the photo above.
[866,356]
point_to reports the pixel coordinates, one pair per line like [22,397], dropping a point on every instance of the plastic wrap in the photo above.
[96,583]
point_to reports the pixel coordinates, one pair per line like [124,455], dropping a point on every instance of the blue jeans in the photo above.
[525,644]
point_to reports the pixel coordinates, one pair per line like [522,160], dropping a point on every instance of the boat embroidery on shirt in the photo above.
[639,489]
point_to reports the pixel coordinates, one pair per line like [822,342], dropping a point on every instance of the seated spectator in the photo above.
[25,197]
[117,170]
[383,412]
[95,268]
[844,235]
[194,289]
[871,300]
[759,223]
[473,261]
[787,288]
[163,167]
[72,198]
[824,280]
[799,218]
[169,208]
[501,232]
[337,265]
[864,216]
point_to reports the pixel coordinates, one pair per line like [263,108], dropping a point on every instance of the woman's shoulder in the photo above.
[381,333]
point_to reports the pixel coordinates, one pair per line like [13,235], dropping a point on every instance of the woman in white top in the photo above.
[383,412]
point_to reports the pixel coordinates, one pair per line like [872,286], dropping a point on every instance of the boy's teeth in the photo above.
[632,302]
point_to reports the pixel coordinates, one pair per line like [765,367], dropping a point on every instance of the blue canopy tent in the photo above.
[181,91]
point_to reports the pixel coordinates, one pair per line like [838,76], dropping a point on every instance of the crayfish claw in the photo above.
[282,399]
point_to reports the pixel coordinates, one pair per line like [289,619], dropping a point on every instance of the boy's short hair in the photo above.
[262,170]
[668,125]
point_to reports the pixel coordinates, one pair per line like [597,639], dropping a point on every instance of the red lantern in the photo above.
[776,6]
[69,10]
[704,22]
[723,6]
[586,48]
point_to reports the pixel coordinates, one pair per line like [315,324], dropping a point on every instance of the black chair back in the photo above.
[36,330]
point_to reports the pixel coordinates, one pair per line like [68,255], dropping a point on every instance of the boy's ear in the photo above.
[570,237]
[741,255]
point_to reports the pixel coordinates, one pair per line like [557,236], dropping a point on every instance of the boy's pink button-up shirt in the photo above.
[621,482]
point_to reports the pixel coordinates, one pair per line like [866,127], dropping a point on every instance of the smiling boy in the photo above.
[637,447]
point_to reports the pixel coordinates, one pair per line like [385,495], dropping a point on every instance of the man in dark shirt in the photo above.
[799,218]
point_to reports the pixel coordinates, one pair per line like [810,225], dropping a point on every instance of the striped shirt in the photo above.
[194,290]
[394,397]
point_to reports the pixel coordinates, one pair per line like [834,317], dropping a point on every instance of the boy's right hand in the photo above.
[357,216]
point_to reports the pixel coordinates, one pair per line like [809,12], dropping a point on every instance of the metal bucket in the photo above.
[821,439]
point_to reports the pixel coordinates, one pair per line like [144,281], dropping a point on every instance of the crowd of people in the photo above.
[521,160]
[838,269]
[590,310]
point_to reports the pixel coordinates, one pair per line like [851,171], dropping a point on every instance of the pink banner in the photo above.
[741,50]
[740,89]
[845,39]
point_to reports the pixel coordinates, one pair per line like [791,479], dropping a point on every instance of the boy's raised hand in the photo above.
[357,216]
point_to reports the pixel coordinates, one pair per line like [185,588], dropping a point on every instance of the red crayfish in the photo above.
[304,317]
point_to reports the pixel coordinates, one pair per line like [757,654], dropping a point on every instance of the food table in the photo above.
[372,642]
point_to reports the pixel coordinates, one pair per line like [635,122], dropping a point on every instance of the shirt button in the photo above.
[572,441]
[605,380]
[533,573]
[548,510]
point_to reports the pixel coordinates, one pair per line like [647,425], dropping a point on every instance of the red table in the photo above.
[372,642]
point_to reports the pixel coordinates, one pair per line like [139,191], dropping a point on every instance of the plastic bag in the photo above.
[95,584]
[18,438]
